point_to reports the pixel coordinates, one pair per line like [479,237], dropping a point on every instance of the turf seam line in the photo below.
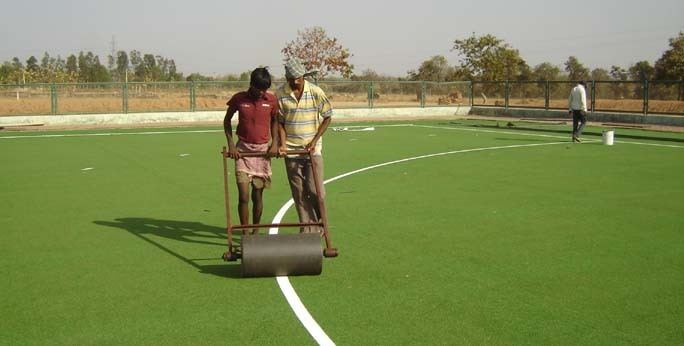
[110,134]
[286,288]
[66,135]
[540,135]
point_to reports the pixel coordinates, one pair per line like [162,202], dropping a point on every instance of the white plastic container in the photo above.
[608,137]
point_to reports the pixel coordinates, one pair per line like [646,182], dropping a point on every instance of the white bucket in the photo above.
[608,137]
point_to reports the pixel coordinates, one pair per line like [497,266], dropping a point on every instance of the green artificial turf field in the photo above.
[511,235]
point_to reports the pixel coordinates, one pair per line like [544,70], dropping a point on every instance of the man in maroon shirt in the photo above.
[257,125]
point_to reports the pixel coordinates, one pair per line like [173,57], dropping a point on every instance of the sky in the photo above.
[389,37]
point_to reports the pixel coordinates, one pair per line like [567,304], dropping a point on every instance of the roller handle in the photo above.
[265,153]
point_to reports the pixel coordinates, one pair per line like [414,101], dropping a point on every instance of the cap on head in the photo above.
[294,69]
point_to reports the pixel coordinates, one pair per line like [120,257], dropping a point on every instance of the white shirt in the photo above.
[578,98]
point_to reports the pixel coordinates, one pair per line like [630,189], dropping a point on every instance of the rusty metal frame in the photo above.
[233,252]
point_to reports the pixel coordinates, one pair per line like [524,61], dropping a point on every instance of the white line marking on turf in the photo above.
[540,135]
[290,294]
[88,169]
[352,126]
[109,134]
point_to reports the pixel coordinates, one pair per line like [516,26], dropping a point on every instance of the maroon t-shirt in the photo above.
[254,120]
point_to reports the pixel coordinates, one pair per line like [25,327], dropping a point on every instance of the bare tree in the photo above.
[320,52]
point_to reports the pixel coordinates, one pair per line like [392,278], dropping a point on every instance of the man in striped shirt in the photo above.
[305,114]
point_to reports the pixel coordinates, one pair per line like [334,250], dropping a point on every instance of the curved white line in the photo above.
[290,294]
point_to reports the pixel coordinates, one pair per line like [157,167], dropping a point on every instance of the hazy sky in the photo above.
[390,37]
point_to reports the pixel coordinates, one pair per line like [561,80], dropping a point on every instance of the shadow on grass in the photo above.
[184,231]
[504,125]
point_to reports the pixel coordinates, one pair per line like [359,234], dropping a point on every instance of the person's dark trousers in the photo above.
[579,119]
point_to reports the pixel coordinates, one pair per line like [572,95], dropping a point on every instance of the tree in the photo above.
[670,66]
[620,90]
[16,63]
[320,52]
[435,69]
[198,77]
[32,64]
[371,75]
[576,71]
[122,65]
[546,71]
[72,64]
[600,74]
[149,68]
[488,58]
[641,71]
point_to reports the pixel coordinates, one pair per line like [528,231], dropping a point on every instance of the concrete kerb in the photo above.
[348,114]
[596,117]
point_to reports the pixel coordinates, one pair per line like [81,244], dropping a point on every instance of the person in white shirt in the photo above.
[577,104]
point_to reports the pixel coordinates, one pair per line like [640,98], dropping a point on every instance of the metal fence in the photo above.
[648,97]
[645,97]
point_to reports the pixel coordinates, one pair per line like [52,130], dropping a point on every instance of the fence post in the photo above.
[593,95]
[472,103]
[423,89]
[546,95]
[192,96]
[506,95]
[645,87]
[370,95]
[53,99]
[124,97]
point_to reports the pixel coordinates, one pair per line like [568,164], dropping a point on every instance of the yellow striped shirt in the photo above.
[302,119]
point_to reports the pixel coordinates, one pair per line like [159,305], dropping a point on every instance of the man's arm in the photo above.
[228,130]
[570,101]
[583,99]
[275,135]
[325,110]
[282,138]
[321,130]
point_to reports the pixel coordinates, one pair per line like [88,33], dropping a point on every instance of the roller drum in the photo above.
[282,254]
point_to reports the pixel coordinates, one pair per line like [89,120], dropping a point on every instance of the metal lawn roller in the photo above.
[278,254]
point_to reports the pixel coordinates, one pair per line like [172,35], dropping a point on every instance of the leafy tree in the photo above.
[618,73]
[576,71]
[546,71]
[620,90]
[122,65]
[46,62]
[149,68]
[670,66]
[488,58]
[90,69]
[72,64]
[16,63]
[600,74]
[320,52]
[641,71]
[435,69]
[198,78]
[371,75]
[524,72]
[32,64]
